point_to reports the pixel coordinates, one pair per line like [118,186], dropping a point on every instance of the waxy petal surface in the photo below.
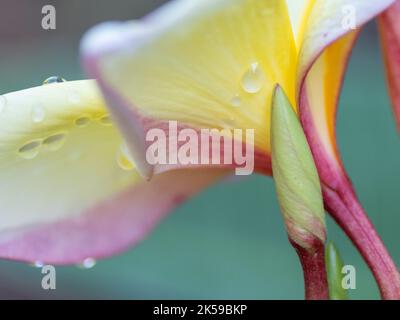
[328,39]
[67,191]
[329,20]
[322,64]
[204,63]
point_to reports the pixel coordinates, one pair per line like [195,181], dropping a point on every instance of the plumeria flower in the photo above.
[202,63]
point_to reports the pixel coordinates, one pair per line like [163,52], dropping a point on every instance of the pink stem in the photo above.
[313,264]
[344,207]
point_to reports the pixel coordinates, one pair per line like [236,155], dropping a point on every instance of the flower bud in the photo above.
[296,178]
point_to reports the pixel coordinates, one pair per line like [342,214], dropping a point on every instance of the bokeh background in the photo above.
[229,241]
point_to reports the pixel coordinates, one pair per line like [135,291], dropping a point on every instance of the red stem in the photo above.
[344,207]
[313,264]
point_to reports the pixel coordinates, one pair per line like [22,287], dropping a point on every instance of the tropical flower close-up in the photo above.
[184,99]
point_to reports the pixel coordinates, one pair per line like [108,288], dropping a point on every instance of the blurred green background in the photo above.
[228,242]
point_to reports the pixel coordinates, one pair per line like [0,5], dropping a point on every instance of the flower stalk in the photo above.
[341,203]
[314,270]
[344,207]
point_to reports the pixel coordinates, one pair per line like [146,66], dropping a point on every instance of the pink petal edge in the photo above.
[111,226]
[342,203]
[109,37]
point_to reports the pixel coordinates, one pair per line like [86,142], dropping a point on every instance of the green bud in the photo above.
[334,265]
[296,177]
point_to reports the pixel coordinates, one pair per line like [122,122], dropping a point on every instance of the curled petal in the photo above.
[299,11]
[68,189]
[328,21]
[318,105]
[110,226]
[324,53]
[204,63]
[322,64]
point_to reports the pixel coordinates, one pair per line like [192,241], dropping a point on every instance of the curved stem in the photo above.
[345,208]
[313,264]
[343,205]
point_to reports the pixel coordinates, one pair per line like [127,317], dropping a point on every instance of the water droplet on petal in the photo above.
[82,121]
[124,158]
[54,142]
[88,263]
[3,103]
[54,79]
[253,79]
[30,149]
[236,101]
[38,113]
[105,120]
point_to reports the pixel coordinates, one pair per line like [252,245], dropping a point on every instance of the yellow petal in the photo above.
[327,21]
[299,11]
[204,63]
[58,153]
[330,32]
[319,98]
[67,189]
[322,88]
[213,64]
